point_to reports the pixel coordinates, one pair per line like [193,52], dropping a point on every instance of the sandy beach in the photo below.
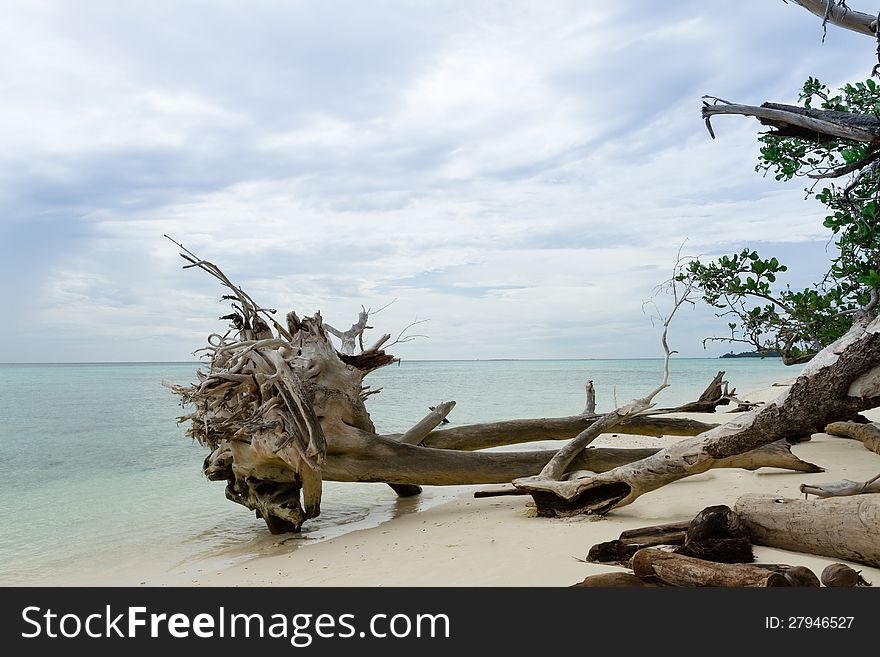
[498,542]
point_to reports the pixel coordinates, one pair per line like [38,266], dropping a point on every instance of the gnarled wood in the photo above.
[837,13]
[681,570]
[590,404]
[842,488]
[869,434]
[515,432]
[841,528]
[811,124]
[282,413]
[839,382]
[427,424]
[716,394]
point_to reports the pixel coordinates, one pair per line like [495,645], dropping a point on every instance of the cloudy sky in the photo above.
[521,174]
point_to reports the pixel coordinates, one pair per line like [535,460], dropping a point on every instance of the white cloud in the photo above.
[521,174]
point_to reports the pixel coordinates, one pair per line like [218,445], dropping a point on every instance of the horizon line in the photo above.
[411,360]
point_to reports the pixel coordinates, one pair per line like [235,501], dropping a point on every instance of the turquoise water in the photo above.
[98,477]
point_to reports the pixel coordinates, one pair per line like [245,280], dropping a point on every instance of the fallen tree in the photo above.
[868,434]
[282,410]
[832,325]
[840,381]
[680,570]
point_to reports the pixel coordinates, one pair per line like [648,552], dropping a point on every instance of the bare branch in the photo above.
[827,123]
[837,13]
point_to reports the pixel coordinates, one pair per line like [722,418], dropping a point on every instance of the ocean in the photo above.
[99,479]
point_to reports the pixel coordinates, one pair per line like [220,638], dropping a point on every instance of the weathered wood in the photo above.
[666,529]
[681,570]
[713,396]
[837,14]
[842,488]
[617,552]
[841,528]
[418,432]
[868,434]
[617,580]
[621,551]
[514,432]
[823,122]
[590,405]
[282,414]
[839,381]
[354,335]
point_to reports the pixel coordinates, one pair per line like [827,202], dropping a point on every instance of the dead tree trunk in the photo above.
[842,488]
[681,570]
[590,405]
[354,335]
[841,380]
[841,528]
[716,394]
[869,434]
[805,123]
[283,411]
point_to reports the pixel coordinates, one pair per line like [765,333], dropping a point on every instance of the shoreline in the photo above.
[494,541]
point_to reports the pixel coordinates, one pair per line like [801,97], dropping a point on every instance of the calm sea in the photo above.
[99,479]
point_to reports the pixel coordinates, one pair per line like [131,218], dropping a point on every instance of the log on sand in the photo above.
[681,570]
[840,527]
[869,434]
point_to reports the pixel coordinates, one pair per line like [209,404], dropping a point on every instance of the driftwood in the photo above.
[842,488]
[841,575]
[715,534]
[621,550]
[590,403]
[514,432]
[841,528]
[681,570]
[283,410]
[417,434]
[716,394]
[837,13]
[869,434]
[840,381]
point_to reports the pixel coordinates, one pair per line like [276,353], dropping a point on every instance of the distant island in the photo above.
[770,353]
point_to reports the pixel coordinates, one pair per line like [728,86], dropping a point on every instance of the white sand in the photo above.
[496,542]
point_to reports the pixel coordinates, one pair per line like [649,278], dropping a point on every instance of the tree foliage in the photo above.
[744,286]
